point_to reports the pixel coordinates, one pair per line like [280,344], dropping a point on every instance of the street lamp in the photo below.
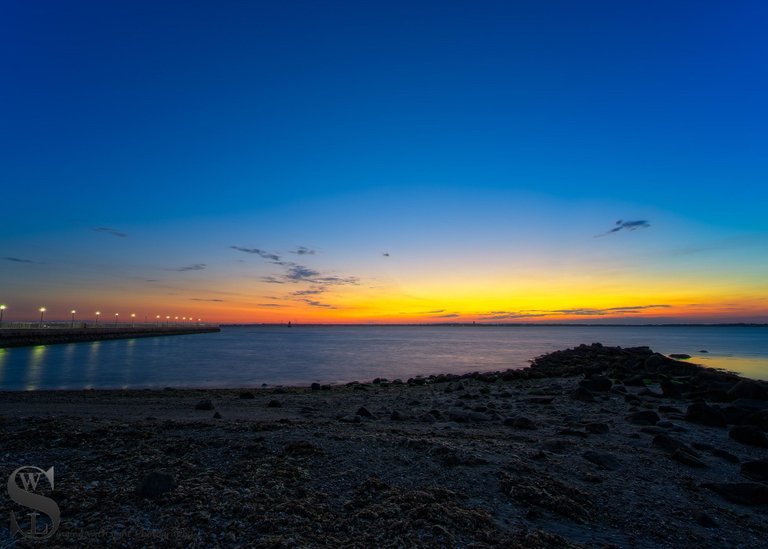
[42,311]
[133,319]
[167,318]
[2,308]
[73,318]
[97,317]
[116,315]
[158,319]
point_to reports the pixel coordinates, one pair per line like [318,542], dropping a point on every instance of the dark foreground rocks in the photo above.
[653,453]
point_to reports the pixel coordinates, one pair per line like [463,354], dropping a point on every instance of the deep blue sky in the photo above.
[313,118]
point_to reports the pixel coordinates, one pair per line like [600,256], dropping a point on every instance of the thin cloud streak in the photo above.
[110,230]
[193,267]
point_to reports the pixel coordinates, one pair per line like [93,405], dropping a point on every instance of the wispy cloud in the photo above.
[203,299]
[580,311]
[310,291]
[303,250]
[449,315]
[626,226]
[257,251]
[19,260]
[314,303]
[193,267]
[110,230]
[270,305]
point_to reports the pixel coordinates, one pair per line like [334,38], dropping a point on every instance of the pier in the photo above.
[22,334]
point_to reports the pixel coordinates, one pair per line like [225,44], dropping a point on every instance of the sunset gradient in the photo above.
[392,162]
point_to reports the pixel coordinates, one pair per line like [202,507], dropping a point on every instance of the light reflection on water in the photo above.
[250,356]
[35,367]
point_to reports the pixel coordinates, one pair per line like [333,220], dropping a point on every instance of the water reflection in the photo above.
[754,367]
[35,367]
[92,364]
[3,354]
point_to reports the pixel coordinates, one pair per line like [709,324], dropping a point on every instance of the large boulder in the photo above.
[701,412]
[747,388]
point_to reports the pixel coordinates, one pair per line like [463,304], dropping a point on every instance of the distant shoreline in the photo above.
[498,325]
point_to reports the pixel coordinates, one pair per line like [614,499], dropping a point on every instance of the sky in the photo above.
[385,162]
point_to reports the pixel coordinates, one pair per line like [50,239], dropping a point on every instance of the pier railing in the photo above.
[83,325]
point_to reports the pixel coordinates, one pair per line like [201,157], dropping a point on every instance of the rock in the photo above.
[217,415]
[701,412]
[363,412]
[349,419]
[573,433]
[654,362]
[758,419]
[603,460]
[744,493]
[687,458]
[636,381]
[155,484]
[596,383]
[597,428]
[582,394]
[436,413]
[647,392]
[315,387]
[541,400]
[669,410]
[274,404]
[396,416]
[461,416]
[747,388]
[717,452]
[204,404]
[246,395]
[643,417]
[702,519]
[756,470]
[669,444]
[426,418]
[325,387]
[749,434]
[520,423]
[750,404]
[679,356]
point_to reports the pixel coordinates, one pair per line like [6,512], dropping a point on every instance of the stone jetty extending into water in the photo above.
[22,337]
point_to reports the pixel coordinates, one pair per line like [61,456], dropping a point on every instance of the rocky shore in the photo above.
[589,447]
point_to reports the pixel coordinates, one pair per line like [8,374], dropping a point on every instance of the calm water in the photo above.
[247,356]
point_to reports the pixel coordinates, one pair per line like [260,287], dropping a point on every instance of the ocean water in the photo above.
[252,356]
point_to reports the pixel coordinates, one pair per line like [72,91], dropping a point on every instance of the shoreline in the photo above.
[589,447]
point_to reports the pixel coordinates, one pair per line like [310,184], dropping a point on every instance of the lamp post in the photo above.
[42,311]
[158,319]
[133,319]
[167,318]
[116,315]
[73,318]
[2,308]
[97,317]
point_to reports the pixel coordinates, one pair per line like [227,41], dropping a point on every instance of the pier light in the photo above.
[116,315]
[2,309]
[98,313]
[42,312]
[133,319]
[73,318]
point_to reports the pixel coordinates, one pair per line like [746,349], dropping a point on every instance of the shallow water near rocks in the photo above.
[250,356]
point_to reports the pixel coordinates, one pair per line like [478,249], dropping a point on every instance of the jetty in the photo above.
[23,334]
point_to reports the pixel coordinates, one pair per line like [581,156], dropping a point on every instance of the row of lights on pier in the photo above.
[158,318]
